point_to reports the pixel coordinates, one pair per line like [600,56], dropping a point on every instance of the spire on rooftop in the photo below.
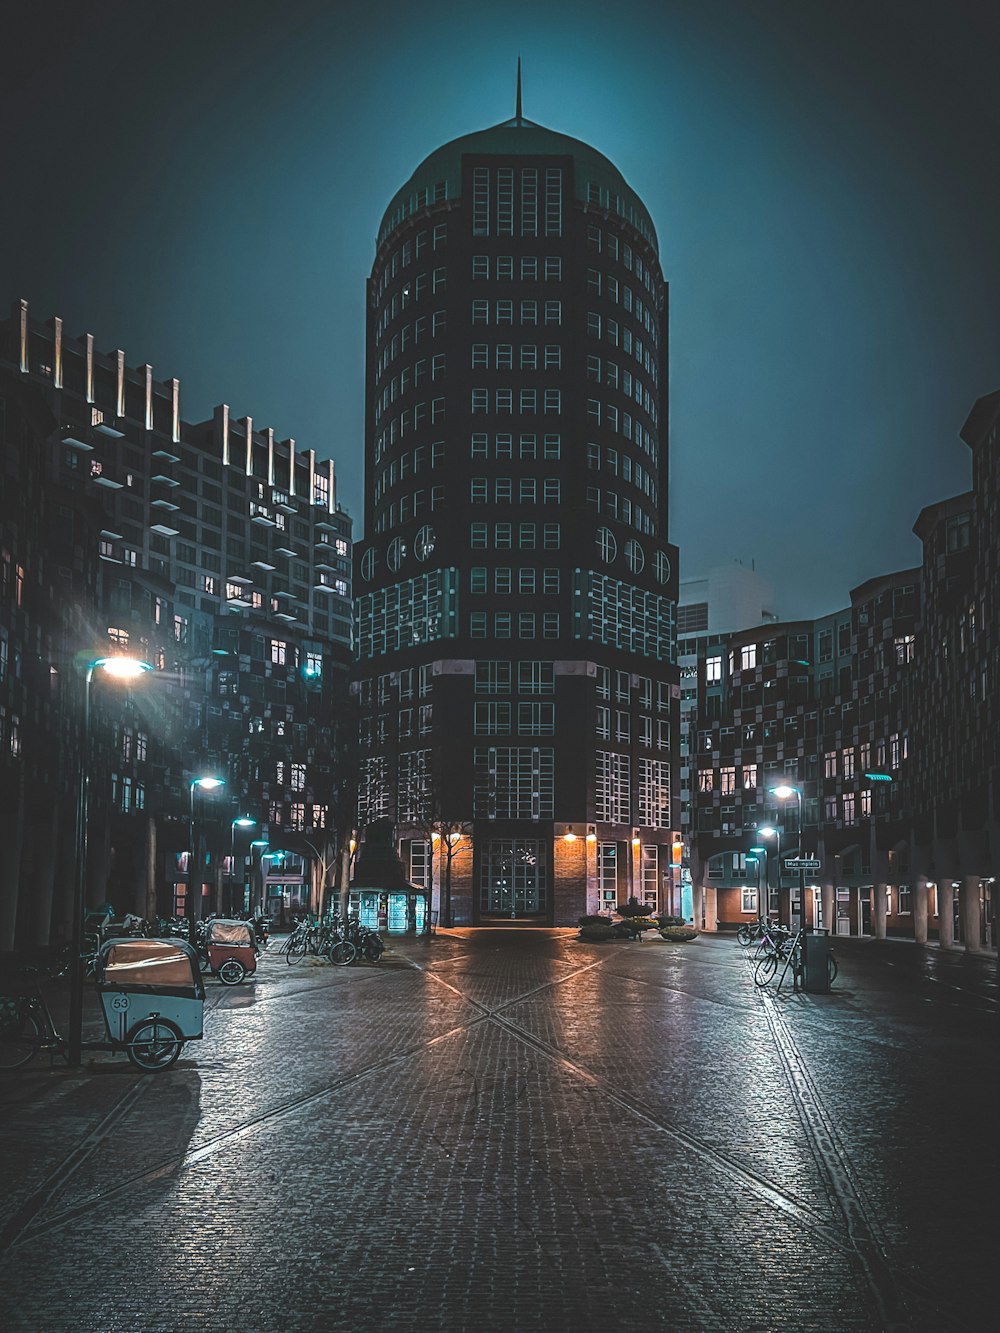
[517,111]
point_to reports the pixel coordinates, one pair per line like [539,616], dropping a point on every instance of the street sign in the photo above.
[802,863]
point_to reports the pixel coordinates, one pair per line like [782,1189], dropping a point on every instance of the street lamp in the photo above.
[119,668]
[759,854]
[784,792]
[206,784]
[241,821]
[775,833]
[260,844]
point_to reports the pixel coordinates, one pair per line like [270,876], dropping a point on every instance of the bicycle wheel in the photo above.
[342,953]
[765,969]
[154,1044]
[232,972]
[374,948]
[831,968]
[296,950]
[744,935]
[20,1038]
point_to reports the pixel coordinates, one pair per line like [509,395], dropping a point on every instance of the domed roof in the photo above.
[521,138]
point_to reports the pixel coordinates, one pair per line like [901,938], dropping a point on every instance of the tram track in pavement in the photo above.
[858,1237]
[714,1157]
[867,1244]
[56,1180]
[60,1176]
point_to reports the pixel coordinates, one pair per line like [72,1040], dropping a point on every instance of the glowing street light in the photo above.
[759,854]
[118,668]
[775,833]
[784,792]
[241,821]
[205,784]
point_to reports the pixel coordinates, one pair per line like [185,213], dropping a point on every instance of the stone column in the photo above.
[698,904]
[918,902]
[829,908]
[972,913]
[44,842]
[880,911]
[711,908]
[12,892]
[149,908]
[946,916]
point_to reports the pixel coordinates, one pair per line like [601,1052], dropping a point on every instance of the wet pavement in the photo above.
[514,1130]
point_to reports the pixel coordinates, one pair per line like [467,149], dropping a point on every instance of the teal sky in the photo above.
[200,184]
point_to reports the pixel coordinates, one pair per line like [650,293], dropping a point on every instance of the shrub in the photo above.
[594,920]
[632,908]
[670,921]
[679,934]
[597,932]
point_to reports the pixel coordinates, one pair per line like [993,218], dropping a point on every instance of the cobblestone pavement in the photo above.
[514,1131]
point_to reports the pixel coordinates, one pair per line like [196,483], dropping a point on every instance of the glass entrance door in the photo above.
[513,877]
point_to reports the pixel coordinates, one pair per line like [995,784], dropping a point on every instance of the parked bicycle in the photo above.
[750,931]
[366,942]
[785,952]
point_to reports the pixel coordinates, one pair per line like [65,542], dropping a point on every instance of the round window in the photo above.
[368,564]
[635,557]
[423,543]
[661,564]
[396,553]
[607,547]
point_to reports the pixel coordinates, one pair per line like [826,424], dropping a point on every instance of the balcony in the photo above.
[98,423]
[73,441]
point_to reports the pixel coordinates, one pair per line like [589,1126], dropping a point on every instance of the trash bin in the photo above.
[816,962]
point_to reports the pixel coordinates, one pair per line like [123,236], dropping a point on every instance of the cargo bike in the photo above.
[232,950]
[152,999]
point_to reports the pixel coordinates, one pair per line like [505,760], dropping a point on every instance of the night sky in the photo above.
[201,185]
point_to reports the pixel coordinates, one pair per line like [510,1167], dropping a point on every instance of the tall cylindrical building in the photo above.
[516,589]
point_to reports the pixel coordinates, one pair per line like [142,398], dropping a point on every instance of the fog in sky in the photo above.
[200,184]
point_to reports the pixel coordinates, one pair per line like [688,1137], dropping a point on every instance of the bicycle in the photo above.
[366,941]
[90,947]
[750,931]
[299,943]
[773,936]
[787,950]
[26,1026]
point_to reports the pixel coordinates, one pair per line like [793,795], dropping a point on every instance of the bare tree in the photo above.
[428,815]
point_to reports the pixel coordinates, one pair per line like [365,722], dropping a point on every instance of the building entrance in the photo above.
[864,911]
[513,877]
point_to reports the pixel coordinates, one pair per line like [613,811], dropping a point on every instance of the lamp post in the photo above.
[206,784]
[260,844]
[119,668]
[241,821]
[775,833]
[784,792]
[759,854]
